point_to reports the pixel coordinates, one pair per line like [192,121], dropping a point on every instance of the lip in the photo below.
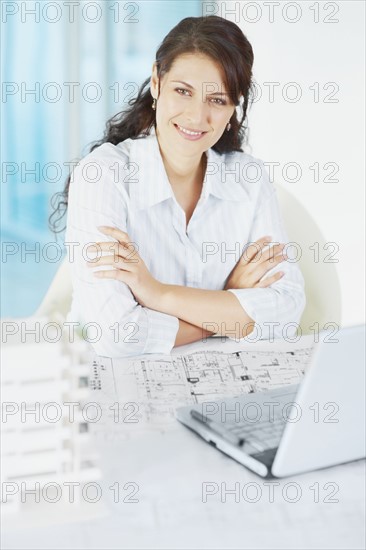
[187,136]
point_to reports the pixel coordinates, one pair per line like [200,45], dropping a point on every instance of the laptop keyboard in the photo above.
[261,435]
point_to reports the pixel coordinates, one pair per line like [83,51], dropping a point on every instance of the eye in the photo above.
[218,99]
[181,90]
[214,99]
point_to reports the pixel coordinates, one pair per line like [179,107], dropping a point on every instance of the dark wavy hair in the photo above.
[222,41]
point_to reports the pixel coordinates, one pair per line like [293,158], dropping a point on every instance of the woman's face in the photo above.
[205,107]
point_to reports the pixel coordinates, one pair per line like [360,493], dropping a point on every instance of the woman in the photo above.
[190,214]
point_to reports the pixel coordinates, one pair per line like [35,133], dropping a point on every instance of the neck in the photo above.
[183,171]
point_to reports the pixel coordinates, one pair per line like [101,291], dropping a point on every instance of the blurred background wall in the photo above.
[67,68]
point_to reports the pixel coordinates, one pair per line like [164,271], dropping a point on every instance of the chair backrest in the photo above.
[321,279]
[323,293]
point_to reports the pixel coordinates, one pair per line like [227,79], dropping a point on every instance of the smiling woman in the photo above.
[197,114]
[185,199]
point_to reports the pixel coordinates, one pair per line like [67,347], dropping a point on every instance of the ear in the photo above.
[154,81]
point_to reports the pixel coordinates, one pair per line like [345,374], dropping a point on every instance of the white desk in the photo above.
[169,469]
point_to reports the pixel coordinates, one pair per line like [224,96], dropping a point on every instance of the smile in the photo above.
[189,133]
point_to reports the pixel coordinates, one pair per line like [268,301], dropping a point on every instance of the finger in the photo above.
[99,247]
[258,270]
[254,248]
[270,254]
[270,280]
[115,274]
[109,245]
[118,234]
[118,262]
[126,250]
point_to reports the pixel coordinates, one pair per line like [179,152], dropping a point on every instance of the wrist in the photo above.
[159,300]
[151,296]
[164,297]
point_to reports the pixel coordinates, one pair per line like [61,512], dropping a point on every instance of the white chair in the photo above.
[322,287]
[321,279]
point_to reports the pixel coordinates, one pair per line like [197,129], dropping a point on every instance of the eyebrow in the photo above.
[191,87]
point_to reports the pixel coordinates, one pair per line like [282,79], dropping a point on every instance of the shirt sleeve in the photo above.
[112,321]
[277,309]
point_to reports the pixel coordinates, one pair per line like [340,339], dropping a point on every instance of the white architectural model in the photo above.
[44,426]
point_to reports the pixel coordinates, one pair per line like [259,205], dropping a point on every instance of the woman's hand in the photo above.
[253,265]
[129,267]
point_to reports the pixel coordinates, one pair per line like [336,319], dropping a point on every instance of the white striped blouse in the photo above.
[126,186]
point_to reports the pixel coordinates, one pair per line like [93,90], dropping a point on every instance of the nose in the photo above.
[196,114]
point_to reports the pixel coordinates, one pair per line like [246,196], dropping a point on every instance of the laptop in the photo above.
[315,424]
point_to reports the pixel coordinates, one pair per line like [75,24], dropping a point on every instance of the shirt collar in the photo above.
[222,180]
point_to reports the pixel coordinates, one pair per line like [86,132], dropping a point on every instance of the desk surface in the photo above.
[189,495]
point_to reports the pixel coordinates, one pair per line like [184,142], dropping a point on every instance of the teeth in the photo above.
[188,132]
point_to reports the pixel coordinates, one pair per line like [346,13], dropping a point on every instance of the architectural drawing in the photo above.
[158,385]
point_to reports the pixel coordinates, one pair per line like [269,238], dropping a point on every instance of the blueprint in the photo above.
[144,392]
